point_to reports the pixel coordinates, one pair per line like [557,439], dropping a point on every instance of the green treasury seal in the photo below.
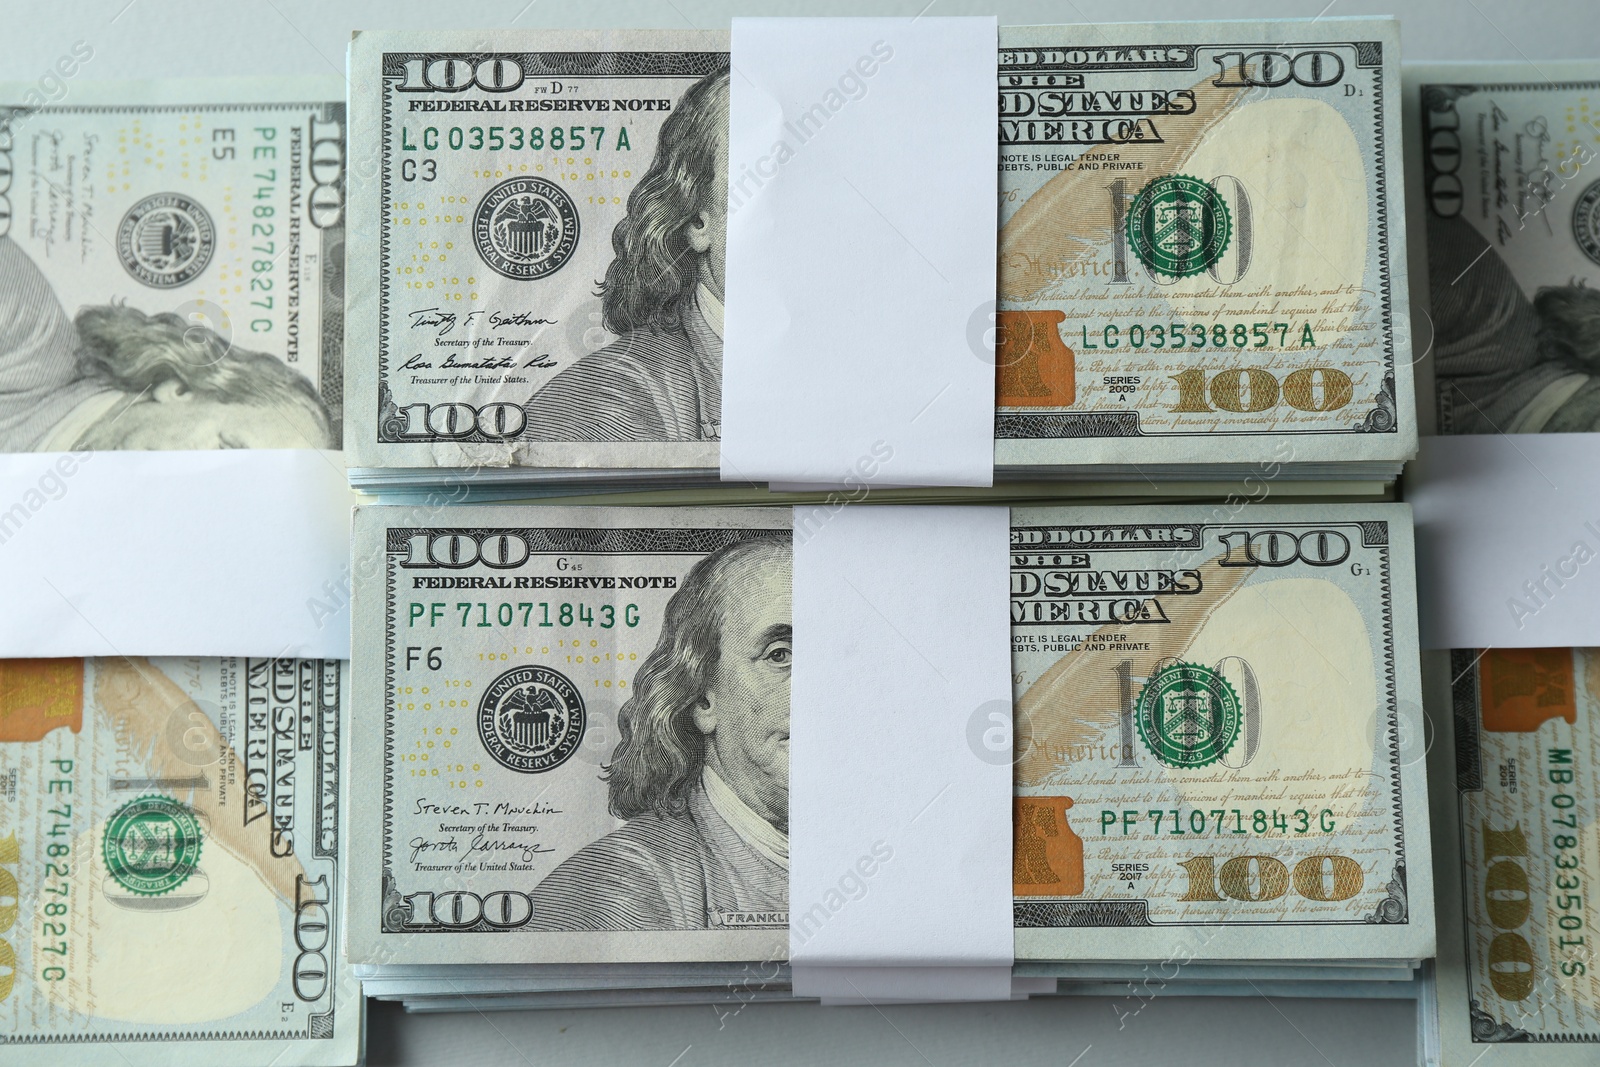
[152,845]
[1179,225]
[1188,715]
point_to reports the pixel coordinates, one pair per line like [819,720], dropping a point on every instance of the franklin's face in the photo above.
[746,716]
[171,418]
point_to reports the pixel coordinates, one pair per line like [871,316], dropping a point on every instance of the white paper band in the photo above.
[900,758]
[225,553]
[1508,540]
[853,270]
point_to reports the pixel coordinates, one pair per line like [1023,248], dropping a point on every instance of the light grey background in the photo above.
[167,38]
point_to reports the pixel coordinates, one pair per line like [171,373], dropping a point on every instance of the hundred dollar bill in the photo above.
[583,738]
[1202,253]
[1517,854]
[1505,210]
[538,225]
[170,860]
[172,265]
[1219,735]
[1198,249]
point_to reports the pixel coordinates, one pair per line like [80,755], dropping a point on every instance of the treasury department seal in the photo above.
[1179,225]
[1188,715]
[525,228]
[1586,221]
[531,719]
[166,240]
[152,845]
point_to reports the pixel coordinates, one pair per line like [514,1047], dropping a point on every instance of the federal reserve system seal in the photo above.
[152,845]
[526,228]
[1179,225]
[166,240]
[1188,715]
[531,719]
[1586,221]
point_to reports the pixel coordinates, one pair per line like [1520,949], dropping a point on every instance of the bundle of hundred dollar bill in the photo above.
[577,726]
[171,853]
[1506,208]
[1201,272]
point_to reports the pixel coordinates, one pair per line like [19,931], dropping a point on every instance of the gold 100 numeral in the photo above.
[1322,877]
[1508,903]
[1247,390]
[10,856]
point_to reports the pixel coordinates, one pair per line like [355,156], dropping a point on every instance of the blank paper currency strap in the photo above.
[855,260]
[900,755]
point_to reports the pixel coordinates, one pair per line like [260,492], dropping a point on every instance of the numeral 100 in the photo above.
[1508,903]
[1322,877]
[501,550]
[1279,548]
[1246,390]
[503,909]
[1316,69]
[452,74]
[499,420]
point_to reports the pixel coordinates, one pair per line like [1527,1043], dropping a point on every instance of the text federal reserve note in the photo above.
[1518,854]
[1505,206]
[170,858]
[578,725]
[1219,735]
[172,265]
[1202,254]
[538,225]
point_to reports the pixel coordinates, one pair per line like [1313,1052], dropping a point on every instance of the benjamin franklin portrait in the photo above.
[701,773]
[1504,363]
[661,379]
[114,377]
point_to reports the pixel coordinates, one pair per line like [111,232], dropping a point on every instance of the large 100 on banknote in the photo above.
[172,265]
[579,724]
[1199,250]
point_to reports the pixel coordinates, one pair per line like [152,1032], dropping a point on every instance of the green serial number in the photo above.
[1129,822]
[523,613]
[515,139]
[1179,336]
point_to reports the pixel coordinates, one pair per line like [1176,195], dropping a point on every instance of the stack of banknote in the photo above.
[171,854]
[1201,276]
[1217,747]
[1506,210]
[505,800]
